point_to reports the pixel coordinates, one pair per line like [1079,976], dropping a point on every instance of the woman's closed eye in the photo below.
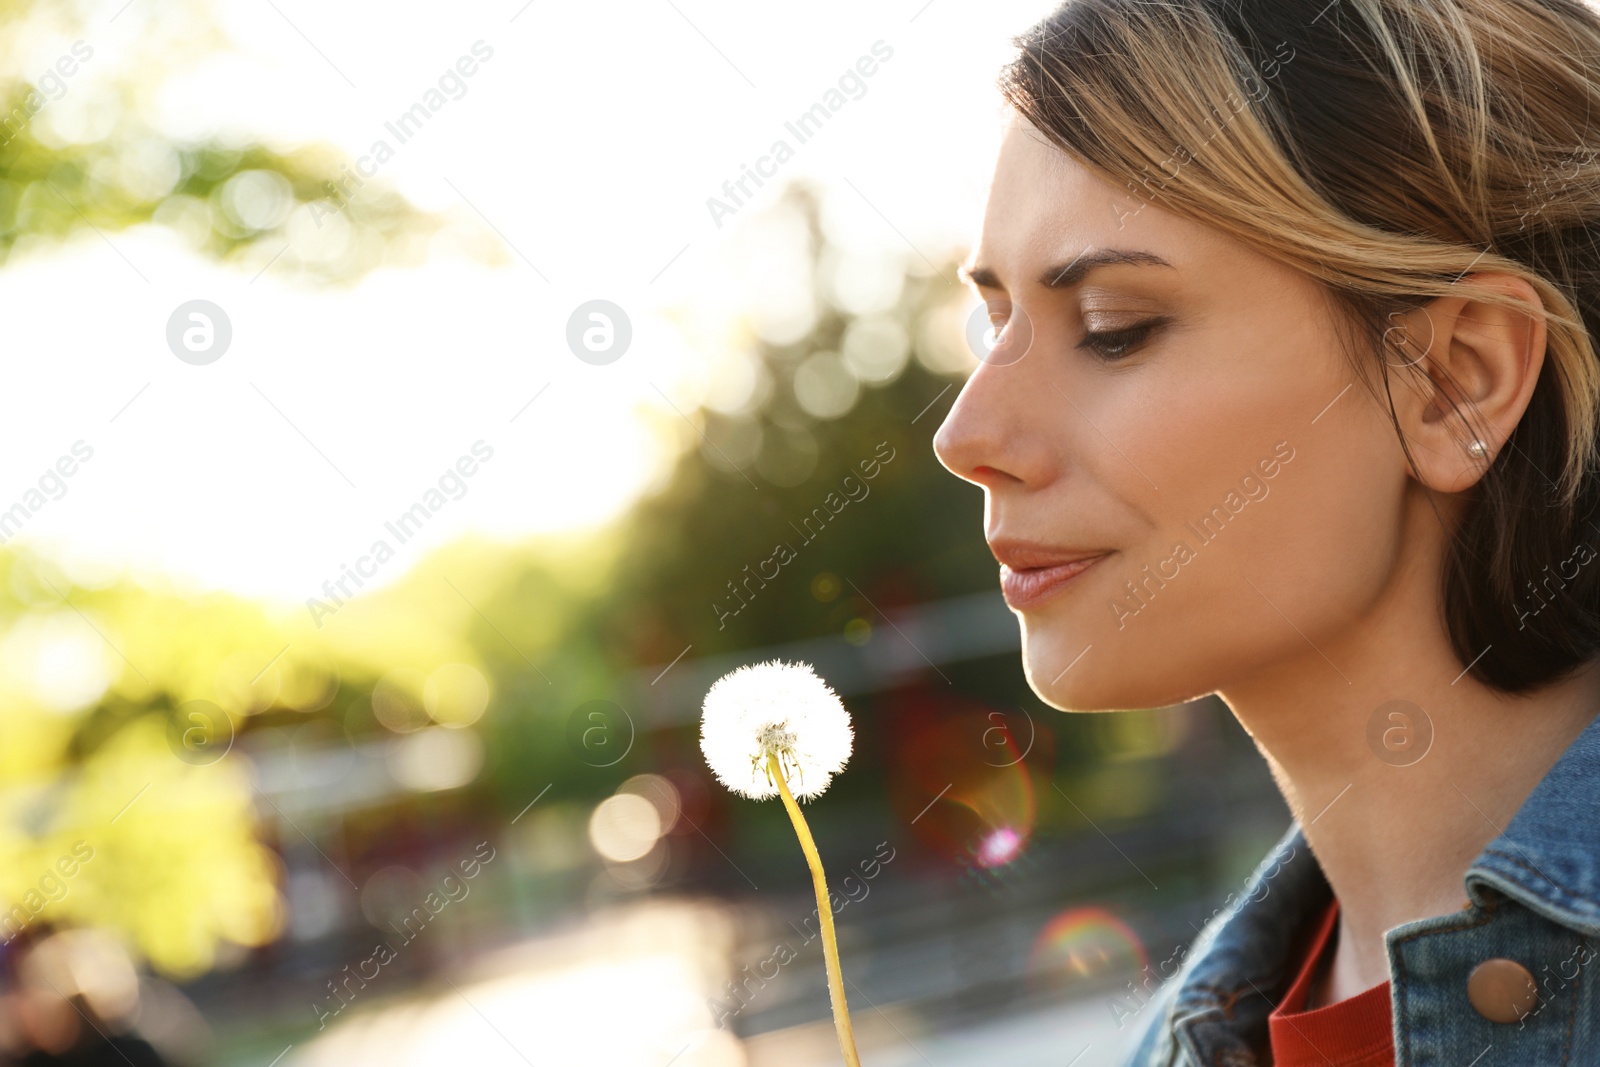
[1112,345]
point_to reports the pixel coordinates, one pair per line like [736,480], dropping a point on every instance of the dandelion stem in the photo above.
[830,948]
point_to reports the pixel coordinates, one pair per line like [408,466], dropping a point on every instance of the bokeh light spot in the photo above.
[456,695]
[624,827]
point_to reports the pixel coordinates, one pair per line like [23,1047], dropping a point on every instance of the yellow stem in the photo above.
[830,948]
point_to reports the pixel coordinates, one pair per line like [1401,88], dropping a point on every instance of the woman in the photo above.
[1293,399]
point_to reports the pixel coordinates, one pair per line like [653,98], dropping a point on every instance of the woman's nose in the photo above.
[972,441]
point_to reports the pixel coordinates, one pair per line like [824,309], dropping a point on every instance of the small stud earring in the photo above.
[1477,449]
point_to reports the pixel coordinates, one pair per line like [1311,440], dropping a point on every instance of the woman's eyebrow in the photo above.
[1065,275]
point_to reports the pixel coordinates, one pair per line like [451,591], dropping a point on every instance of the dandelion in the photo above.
[776,729]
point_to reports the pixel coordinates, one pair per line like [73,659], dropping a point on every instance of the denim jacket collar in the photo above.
[1547,858]
[1232,985]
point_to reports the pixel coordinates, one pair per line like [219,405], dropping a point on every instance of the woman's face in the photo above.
[1245,494]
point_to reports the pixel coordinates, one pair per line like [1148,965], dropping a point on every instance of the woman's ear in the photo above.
[1467,367]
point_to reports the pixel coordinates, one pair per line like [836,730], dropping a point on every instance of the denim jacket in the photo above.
[1532,897]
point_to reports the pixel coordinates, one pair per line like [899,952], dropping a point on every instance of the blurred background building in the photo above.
[360,585]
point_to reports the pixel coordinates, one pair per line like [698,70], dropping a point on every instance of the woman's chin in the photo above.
[1070,673]
[1060,672]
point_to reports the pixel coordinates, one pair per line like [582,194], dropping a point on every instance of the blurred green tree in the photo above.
[78,148]
[174,861]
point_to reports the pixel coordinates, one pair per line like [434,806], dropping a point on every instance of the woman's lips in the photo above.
[1028,586]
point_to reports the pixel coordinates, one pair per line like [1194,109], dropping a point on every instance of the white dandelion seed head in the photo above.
[774,707]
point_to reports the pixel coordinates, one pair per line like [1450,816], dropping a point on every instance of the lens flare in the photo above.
[1000,847]
[1086,943]
[963,780]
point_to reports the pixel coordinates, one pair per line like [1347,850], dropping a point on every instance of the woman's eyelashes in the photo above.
[1112,345]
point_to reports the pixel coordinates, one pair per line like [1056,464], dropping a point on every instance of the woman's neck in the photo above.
[1395,833]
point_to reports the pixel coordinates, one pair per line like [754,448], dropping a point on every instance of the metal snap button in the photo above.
[1502,990]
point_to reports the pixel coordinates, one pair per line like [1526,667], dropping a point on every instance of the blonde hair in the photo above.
[1386,148]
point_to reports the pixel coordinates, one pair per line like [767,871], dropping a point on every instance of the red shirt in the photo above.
[1355,1032]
